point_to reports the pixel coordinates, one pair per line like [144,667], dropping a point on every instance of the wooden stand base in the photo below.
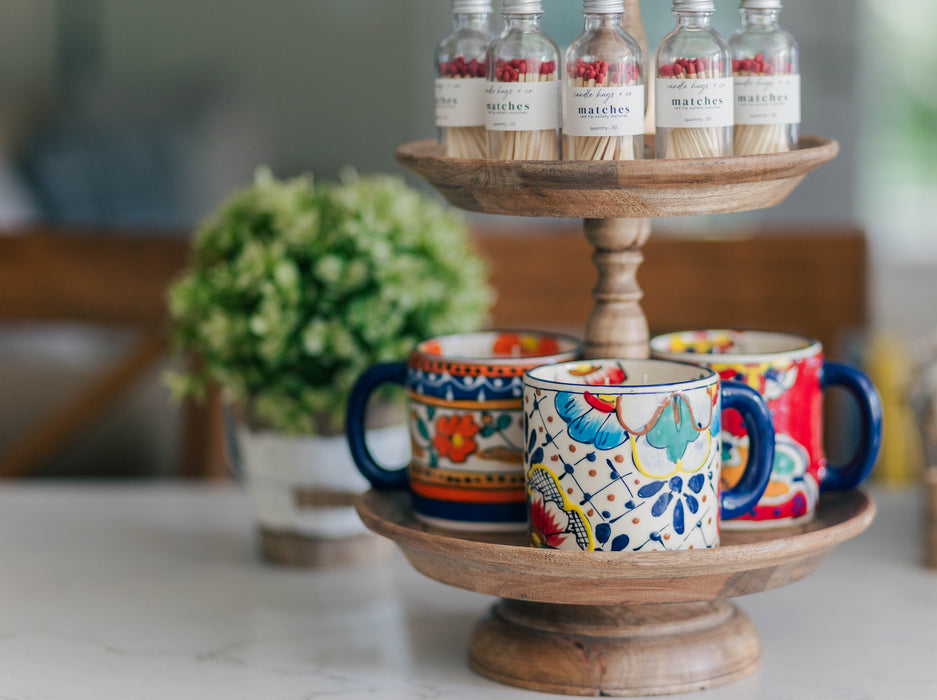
[293,549]
[630,650]
[614,623]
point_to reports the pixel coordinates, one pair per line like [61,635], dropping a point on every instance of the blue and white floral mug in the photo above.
[625,455]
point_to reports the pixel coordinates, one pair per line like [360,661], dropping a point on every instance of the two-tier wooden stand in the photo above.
[594,623]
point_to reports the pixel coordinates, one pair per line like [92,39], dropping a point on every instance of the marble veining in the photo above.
[149,592]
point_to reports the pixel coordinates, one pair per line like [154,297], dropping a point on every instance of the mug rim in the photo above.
[710,377]
[522,361]
[807,347]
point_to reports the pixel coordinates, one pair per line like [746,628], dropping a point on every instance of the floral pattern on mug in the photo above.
[660,453]
[454,437]
[791,374]
[770,380]
[599,374]
[525,345]
[792,488]
[672,491]
[440,436]
[591,419]
[553,520]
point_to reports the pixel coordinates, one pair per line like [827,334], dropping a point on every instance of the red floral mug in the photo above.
[789,371]
[466,468]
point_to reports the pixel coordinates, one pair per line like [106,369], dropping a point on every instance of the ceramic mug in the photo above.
[465,420]
[625,455]
[791,374]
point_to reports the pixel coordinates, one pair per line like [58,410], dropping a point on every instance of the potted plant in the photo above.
[292,290]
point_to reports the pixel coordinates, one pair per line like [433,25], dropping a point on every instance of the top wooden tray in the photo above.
[617,189]
[502,565]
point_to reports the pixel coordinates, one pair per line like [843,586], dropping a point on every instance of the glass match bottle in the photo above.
[693,103]
[523,98]
[460,80]
[605,96]
[765,63]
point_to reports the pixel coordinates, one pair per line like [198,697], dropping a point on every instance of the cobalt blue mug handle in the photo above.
[867,399]
[760,427]
[368,382]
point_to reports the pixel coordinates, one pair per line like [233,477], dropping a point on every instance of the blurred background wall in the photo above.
[144,113]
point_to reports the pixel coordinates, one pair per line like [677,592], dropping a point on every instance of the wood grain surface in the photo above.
[619,651]
[617,189]
[503,565]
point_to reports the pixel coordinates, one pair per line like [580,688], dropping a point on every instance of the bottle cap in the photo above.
[761,4]
[694,5]
[470,7]
[600,7]
[522,7]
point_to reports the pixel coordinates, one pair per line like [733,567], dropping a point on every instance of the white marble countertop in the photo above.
[154,591]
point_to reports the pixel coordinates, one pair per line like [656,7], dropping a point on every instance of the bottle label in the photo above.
[523,106]
[767,99]
[600,111]
[694,103]
[460,102]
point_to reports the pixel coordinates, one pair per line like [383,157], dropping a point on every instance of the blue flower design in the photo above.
[675,493]
[591,419]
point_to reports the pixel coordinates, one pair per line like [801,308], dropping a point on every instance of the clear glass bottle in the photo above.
[460,80]
[693,102]
[523,98]
[605,95]
[766,65]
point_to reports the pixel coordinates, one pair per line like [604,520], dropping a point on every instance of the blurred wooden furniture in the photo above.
[50,275]
[806,280]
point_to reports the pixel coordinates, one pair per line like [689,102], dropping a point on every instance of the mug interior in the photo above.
[652,375]
[690,346]
[501,346]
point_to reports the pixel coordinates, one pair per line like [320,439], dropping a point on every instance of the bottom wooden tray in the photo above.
[606,623]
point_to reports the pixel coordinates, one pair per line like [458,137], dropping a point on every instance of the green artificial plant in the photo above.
[295,287]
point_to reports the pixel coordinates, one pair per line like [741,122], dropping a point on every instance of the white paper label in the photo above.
[767,99]
[601,111]
[460,102]
[694,104]
[523,106]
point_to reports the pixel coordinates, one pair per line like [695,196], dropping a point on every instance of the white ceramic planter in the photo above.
[301,488]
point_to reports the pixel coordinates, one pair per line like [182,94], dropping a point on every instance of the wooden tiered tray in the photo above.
[616,189]
[616,623]
[611,623]
[616,200]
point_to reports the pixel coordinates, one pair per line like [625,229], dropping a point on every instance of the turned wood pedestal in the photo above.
[607,623]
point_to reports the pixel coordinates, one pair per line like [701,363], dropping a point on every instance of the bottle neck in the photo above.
[763,19]
[602,21]
[476,21]
[525,22]
[694,20]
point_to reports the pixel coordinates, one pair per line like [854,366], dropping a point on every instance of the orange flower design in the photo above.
[516,345]
[454,437]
